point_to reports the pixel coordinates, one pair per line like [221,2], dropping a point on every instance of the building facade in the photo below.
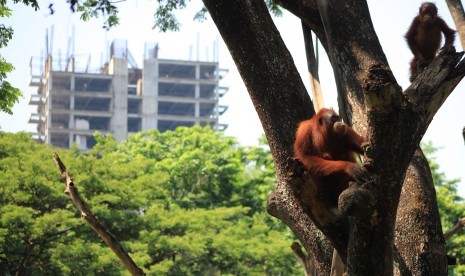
[122,99]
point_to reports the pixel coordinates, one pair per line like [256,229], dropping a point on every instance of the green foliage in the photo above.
[35,214]
[183,202]
[88,9]
[165,19]
[164,15]
[203,168]
[220,241]
[451,209]
[6,33]
[201,15]
[94,8]
[81,257]
[9,95]
[33,3]
[274,8]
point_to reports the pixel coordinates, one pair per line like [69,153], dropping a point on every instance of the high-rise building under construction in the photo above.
[121,99]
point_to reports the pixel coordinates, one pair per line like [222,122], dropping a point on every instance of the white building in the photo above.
[121,99]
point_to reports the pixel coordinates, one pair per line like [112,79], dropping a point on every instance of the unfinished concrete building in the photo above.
[122,99]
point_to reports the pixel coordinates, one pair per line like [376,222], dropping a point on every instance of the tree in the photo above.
[204,216]
[374,227]
[166,228]
[35,214]
[370,98]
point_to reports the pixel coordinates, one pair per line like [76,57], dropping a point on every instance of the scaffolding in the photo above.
[73,100]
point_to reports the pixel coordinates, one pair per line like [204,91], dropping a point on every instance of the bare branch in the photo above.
[96,225]
[456,228]
[312,66]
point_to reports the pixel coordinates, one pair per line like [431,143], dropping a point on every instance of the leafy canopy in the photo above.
[182,202]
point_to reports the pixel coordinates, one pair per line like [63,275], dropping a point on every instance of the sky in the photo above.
[195,41]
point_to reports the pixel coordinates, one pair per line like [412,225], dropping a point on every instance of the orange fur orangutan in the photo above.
[424,37]
[326,146]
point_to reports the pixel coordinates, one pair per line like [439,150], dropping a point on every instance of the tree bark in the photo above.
[419,244]
[266,67]
[357,58]
[296,7]
[377,102]
[362,230]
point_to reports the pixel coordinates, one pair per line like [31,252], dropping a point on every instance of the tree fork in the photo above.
[393,121]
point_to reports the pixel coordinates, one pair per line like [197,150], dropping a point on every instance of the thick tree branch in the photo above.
[267,69]
[363,72]
[419,247]
[327,219]
[295,189]
[353,48]
[96,225]
[432,87]
[280,99]
[386,116]
[307,11]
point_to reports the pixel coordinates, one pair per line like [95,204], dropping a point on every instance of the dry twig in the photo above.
[96,225]
[456,228]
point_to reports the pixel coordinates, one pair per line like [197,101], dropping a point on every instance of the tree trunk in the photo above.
[266,67]
[362,229]
[419,244]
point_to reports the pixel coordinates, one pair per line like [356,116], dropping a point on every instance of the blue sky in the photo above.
[391,20]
